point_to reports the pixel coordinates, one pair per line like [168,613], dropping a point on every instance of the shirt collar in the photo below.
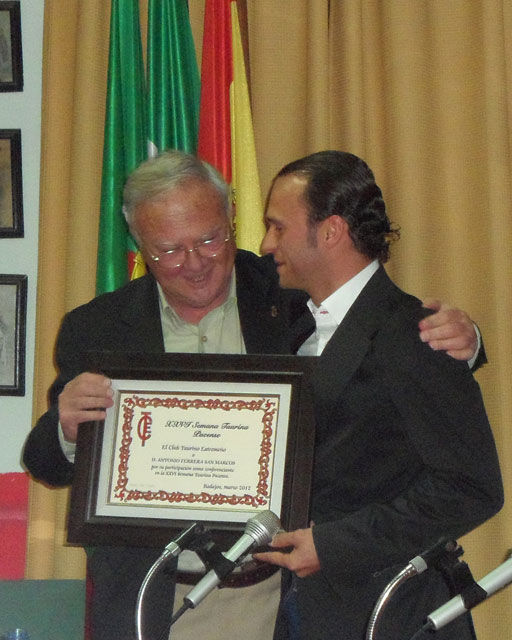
[339,302]
[165,307]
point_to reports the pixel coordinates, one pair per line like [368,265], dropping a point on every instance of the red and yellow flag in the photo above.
[226,137]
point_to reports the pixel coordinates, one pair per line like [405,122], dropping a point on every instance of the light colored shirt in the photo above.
[218,332]
[329,315]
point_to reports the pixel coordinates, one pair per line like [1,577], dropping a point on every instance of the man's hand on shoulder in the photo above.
[83,399]
[450,330]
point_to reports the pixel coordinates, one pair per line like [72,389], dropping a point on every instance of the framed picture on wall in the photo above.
[11,65]
[13,313]
[11,190]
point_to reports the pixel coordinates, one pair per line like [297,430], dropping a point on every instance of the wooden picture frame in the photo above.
[13,310]
[11,186]
[11,60]
[161,510]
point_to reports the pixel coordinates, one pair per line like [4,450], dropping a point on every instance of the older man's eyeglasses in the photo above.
[209,248]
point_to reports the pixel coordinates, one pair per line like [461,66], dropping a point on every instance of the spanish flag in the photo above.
[226,137]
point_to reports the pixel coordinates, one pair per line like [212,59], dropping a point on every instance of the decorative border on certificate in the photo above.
[188,451]
[216,441]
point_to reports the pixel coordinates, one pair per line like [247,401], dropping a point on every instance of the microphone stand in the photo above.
[212,558]
[414,568]
[437,554]
[185,540]
[258,530]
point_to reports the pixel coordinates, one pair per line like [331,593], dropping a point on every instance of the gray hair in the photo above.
[158,176]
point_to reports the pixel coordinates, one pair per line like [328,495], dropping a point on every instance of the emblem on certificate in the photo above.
[193,438]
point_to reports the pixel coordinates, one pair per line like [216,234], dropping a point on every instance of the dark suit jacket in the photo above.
[404,455]
[128,320]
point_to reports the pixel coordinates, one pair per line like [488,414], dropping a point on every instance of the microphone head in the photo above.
[263,527]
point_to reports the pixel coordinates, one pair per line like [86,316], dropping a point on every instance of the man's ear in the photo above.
[334,230]
[231,215]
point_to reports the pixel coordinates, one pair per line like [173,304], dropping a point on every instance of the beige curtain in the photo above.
[74,82]
[421,90]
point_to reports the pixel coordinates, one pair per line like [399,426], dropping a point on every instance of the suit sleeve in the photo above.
[42,454]
[457,485]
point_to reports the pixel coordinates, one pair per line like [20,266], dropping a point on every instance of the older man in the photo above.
[201,295]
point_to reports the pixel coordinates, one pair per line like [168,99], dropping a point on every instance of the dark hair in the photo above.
[342,184]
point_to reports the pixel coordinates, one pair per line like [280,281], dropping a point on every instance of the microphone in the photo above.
[259,530]
[488,585]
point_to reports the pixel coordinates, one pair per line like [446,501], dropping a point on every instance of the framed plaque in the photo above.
[191,438]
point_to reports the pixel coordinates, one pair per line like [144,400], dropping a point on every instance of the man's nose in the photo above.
[192,260]
[267,245]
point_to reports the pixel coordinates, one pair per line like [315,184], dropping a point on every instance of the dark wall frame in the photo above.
[13,334]
[10,42]
[11,209]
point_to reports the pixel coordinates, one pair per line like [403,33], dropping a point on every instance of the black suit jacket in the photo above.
[128,320]
[404,455]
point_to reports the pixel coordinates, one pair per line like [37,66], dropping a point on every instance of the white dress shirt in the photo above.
[329,315]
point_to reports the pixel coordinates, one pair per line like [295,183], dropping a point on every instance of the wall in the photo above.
[21,110]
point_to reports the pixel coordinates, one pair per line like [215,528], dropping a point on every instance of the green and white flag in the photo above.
[166,117]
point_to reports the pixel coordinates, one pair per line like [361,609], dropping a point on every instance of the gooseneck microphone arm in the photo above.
[404,575]
[184,540]
[416,566]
